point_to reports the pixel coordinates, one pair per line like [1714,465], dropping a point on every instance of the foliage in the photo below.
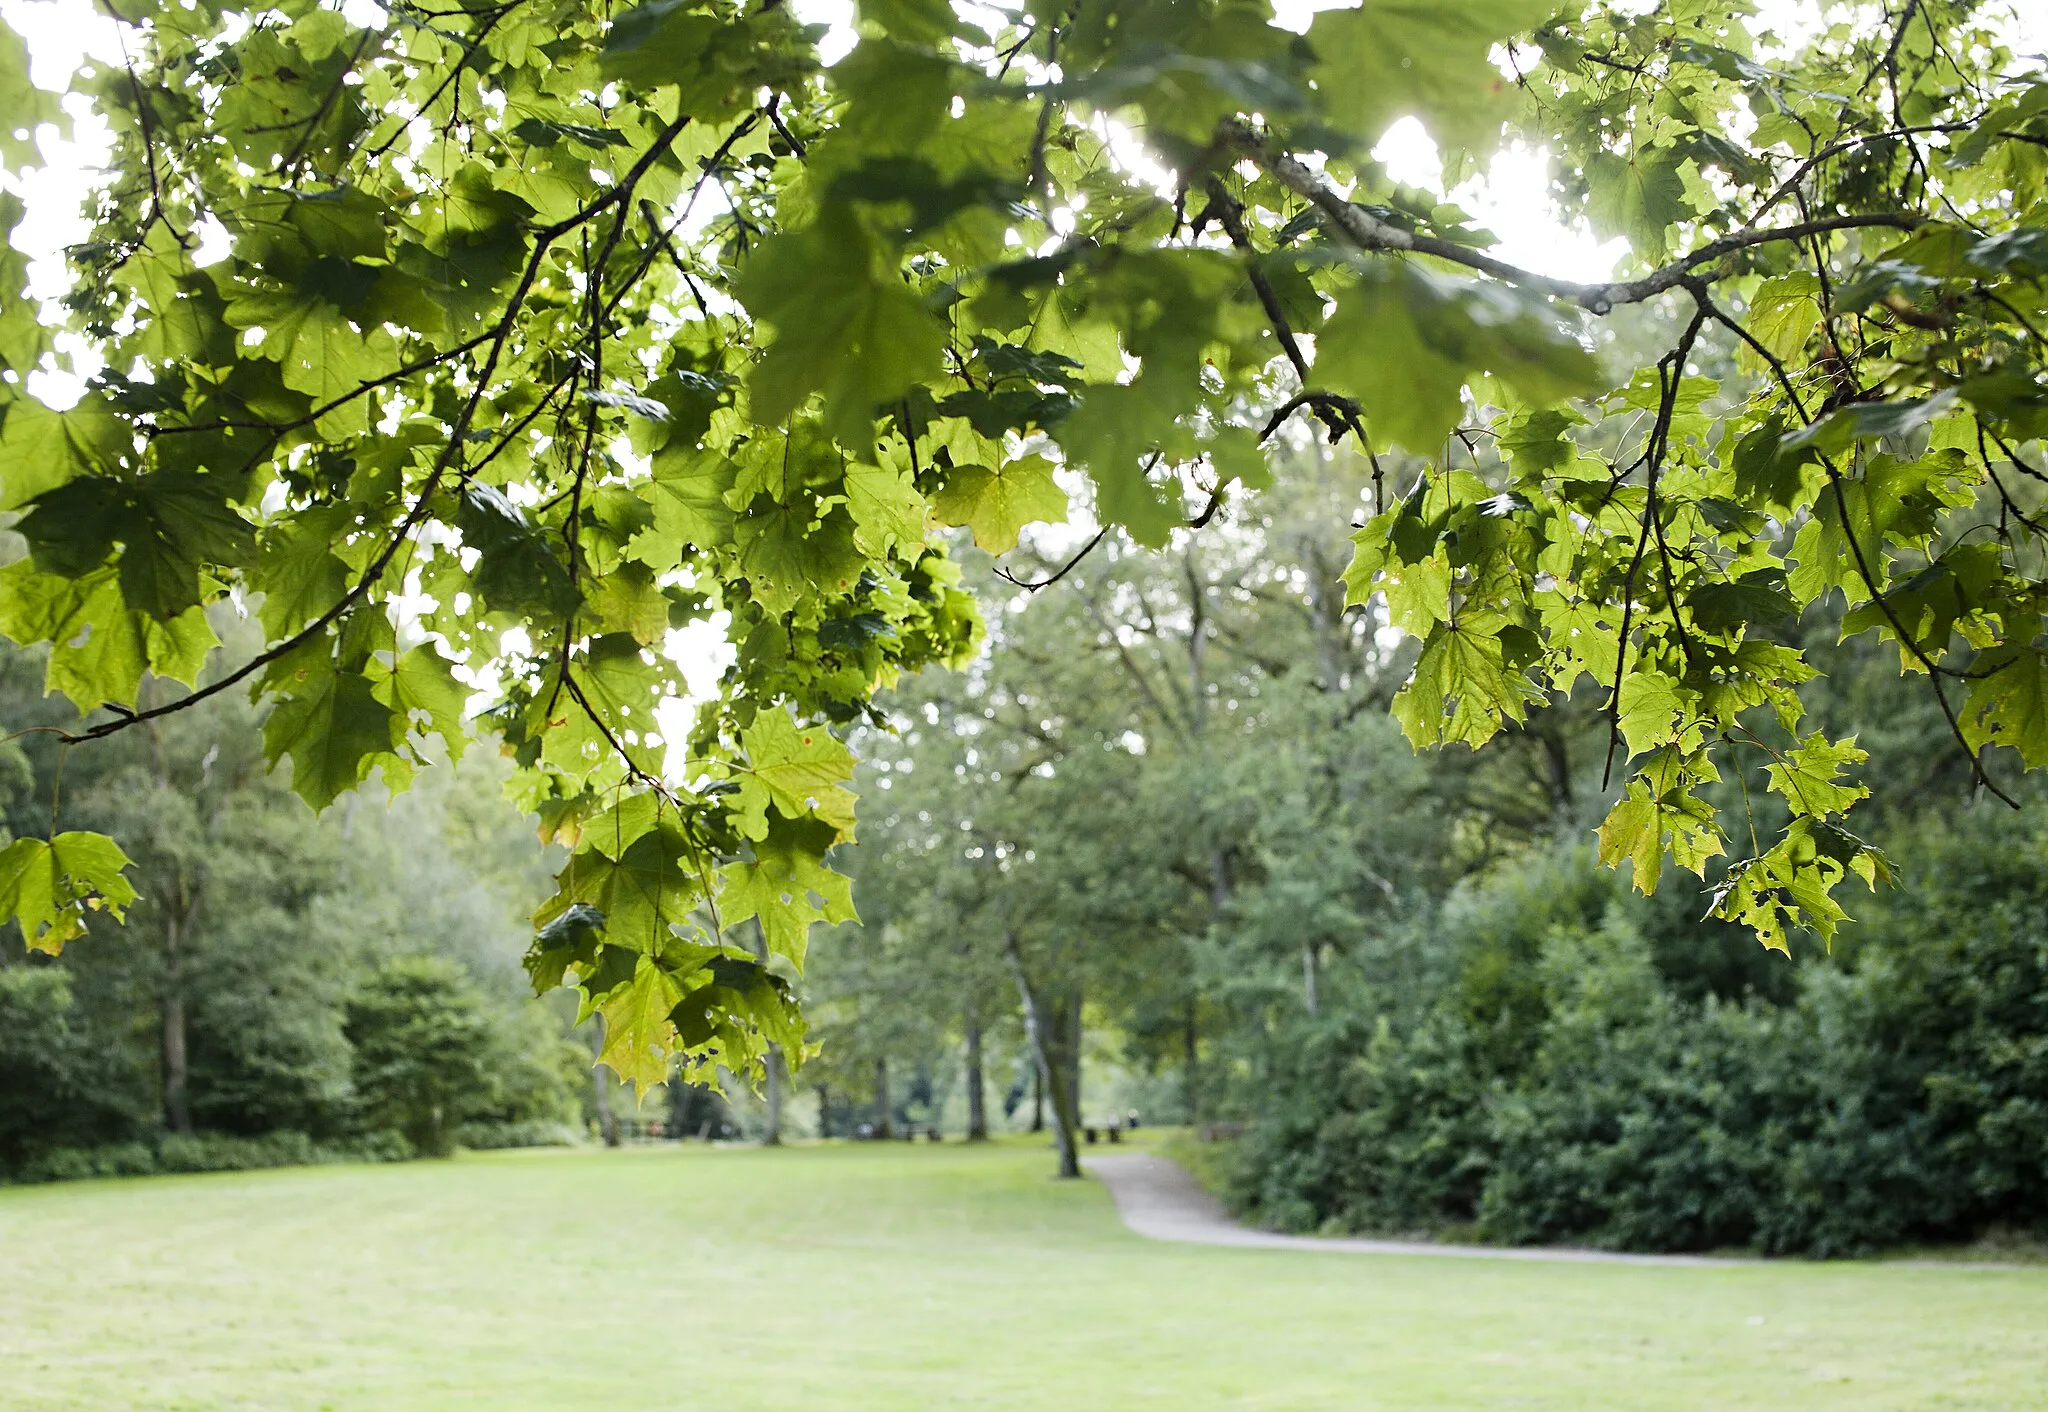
[1557,1086]
[416,1032]
[53,1082]
[205,1152]
[216,1009]
[504,341]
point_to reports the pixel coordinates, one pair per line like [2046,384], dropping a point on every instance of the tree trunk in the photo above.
[1037,1096]
[600,1091]
[177,1073]
[885,1126]
[977,1111]
[1050,1077]
[1074,1055]
[824,1110]
[1191,1079]
[774,1067]
[1308,977]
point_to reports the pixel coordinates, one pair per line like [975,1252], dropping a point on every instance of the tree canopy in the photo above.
[494,350]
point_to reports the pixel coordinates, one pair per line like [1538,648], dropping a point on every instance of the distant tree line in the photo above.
[284,987]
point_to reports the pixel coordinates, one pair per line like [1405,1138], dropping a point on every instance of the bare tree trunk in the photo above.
[977,1110]
[177,1071]
[1037,1096]
[1191,1072]
[824,1110]
[600,1091]
[1308,977]
[1074,1054]
[1050,1078]
[177,1099]
[774,1067]
[885,1125]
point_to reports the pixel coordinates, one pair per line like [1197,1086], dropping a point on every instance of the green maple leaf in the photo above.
[690,487]
[2008,702]
[318,350]
[638,1038]
[800,770]
[23,106]
[41,449]
[50,886]
[1640,196]
[1805,777]
[886,508]
[332,727]
[1783,313]
[779,885]
[421,685]
[1792,884]
[1540,441]
[618,689]
[1582,638]
[571,936]
[1757,597]
[178,526]
[789,557]
[1658,804]
[300,574]
[1119,433]
[628,599]
[100,647]
[1462,689]
[1404,343]
[996,504]
[1393,58]
[1633,830]
[1654,711]
[643,883]
[846,325]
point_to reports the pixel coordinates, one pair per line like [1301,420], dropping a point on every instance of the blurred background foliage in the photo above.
[285,986]
[1402,986]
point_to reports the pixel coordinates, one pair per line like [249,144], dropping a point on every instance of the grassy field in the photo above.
[902,1277]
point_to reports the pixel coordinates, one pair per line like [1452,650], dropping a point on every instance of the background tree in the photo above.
[281,919]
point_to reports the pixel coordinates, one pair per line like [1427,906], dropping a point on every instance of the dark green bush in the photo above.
[1577,1076]
[54,1088]
[203,1152]
[419,1031]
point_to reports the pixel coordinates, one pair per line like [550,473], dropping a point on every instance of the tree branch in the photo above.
[1367,232]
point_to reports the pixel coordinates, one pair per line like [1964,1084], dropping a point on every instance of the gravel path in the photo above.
[1158,1199]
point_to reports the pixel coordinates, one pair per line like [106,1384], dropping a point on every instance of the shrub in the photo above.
[53,1082]
[487,1137]
[420,1032]
[204,1152]
[1575,1077]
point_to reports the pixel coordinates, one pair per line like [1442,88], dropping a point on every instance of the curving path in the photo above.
[1158,1199]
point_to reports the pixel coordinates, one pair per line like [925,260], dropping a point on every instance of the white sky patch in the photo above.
[841,38]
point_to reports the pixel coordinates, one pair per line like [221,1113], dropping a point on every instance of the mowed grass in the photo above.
[902,1277]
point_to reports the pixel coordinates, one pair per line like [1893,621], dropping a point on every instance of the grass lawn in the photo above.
[902,1277]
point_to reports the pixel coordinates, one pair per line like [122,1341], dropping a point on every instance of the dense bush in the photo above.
[1573,1075]
[204,1152]
[430,1056]
[53,1082]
